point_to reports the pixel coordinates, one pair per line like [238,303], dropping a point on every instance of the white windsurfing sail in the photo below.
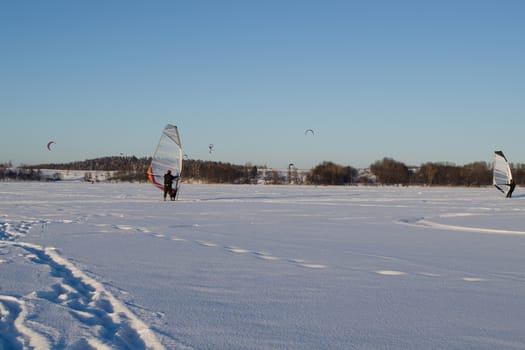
[502,174]
[167,156]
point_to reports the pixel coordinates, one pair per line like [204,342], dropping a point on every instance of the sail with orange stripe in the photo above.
[167,156]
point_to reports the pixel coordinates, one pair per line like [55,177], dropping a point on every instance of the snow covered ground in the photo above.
[95,266]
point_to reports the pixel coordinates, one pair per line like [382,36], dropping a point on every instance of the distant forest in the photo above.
[382,172]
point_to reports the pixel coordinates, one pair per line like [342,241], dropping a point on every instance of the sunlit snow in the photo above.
[112,266]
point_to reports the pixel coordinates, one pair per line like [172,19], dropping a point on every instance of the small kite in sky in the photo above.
[49,144]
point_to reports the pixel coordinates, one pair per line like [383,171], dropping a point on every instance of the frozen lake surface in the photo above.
[112,266]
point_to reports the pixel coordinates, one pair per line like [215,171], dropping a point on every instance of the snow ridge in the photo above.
[423,222]
[13,314]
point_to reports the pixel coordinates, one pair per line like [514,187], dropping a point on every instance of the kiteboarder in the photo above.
[168,182]
[511,185]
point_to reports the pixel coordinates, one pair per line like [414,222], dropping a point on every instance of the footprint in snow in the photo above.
[302,263]
[474,279]
[390,273]
[237,250]
[123,227]
[265,256]
[206,244]
[429,274]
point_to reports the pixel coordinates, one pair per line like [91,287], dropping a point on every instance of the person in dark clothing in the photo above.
[168,184]
[511,185]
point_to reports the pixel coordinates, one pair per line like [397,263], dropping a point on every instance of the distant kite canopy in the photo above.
[309,131]
[167,156]
[49,144]
[210,146]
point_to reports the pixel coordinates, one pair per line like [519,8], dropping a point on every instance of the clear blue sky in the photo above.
[416,81]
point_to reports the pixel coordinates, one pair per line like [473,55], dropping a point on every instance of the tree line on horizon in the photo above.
[386,171]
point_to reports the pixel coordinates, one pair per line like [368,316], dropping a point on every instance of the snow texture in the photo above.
[112,266]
